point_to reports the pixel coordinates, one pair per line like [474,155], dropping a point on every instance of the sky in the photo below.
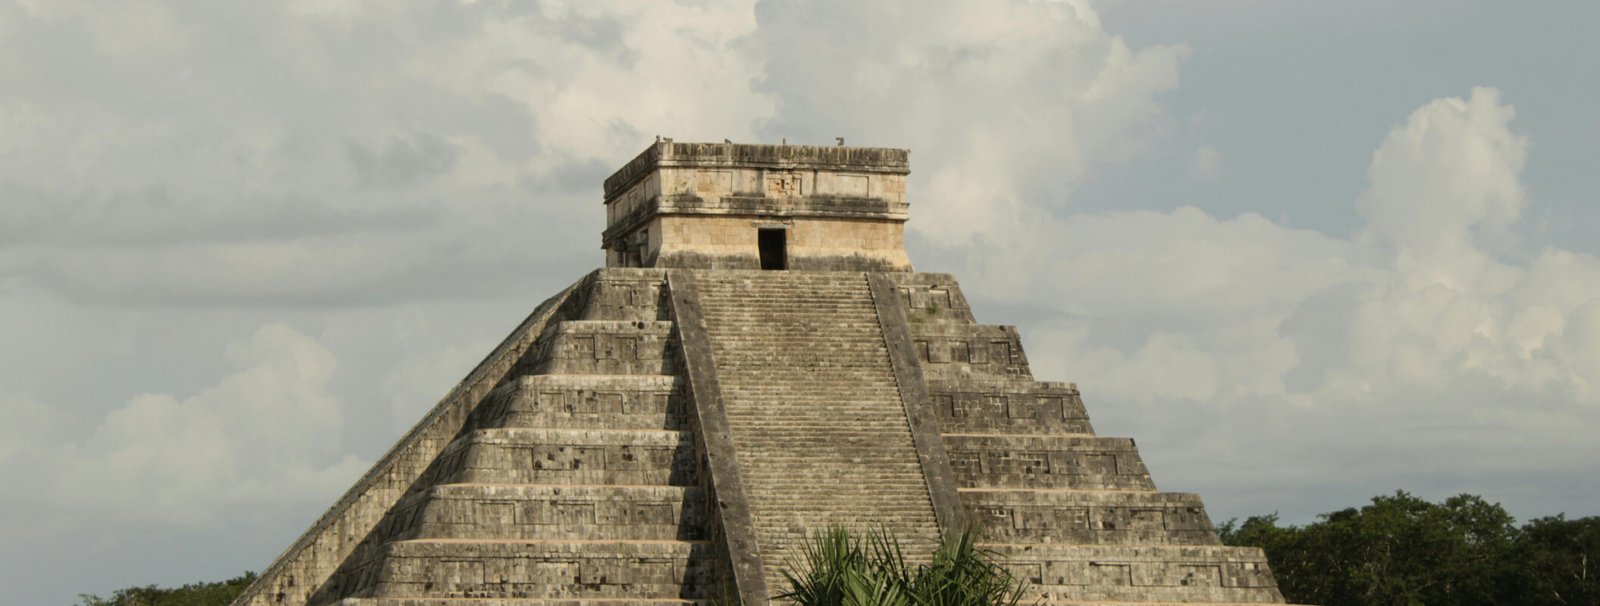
[1304,252]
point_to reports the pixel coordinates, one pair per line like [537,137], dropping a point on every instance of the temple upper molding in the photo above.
[822,157]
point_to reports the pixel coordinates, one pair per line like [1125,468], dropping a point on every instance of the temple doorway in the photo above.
[774,248]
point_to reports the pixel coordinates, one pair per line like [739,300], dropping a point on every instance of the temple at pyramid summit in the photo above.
[756,361]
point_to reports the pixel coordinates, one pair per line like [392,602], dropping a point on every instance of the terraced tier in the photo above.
[1046,462]
[1098,574]
[605,347]
[566,569]
[551,512]
[569,456]
[587,401]
[1075,513]
[575,482]
[1008,407]
[1075,517]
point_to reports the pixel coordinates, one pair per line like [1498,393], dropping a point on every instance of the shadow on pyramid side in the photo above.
[756,362]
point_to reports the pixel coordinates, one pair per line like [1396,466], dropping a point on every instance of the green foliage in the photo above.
[843,570]
[1559,561]
[1402,550]
[219,593]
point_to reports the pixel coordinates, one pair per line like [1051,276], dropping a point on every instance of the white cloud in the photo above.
[24,426]
[358,159]
[1450,173]
[340,158]
[184,166]
[267,434]
[1002,103]
[1427,346]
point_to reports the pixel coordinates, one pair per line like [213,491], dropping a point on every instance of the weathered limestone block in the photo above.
[772,179]
[498,511]
[817,244]
[932,298]
[954,351]
[566,456]
[1120,518]
[702,205]
[606,348]
[1008,407]
[626,294]
[586,401]
[1175,574]
[1061,462]
[538,569]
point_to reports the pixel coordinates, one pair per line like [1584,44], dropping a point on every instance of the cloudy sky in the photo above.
[1305,252]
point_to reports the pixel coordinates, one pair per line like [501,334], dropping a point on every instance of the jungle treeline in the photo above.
[1399,550]
[1403,550]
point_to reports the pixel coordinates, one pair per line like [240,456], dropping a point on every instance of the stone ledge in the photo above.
[668,153]
[1187,573]
[979,405]
[1021,517]
[605,347]
[570,401]
[560,456]
[549,569]
[1070,462]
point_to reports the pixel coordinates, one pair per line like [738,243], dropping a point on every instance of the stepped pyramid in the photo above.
[757,361]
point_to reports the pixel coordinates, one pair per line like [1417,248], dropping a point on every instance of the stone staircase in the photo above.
[1073,513]
[814,410]
[573,482]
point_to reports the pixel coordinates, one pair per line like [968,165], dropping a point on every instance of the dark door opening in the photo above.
[774,248]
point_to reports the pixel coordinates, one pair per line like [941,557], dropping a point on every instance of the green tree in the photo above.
[1559,561]
[1400,550]
[217,593]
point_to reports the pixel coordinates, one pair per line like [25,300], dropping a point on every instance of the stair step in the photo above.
[814,410]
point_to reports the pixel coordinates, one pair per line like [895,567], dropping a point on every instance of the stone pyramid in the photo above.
[757,361]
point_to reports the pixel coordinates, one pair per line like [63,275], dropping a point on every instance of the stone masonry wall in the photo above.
[563,471]
[1073,513]
[698,206]
[814,244]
